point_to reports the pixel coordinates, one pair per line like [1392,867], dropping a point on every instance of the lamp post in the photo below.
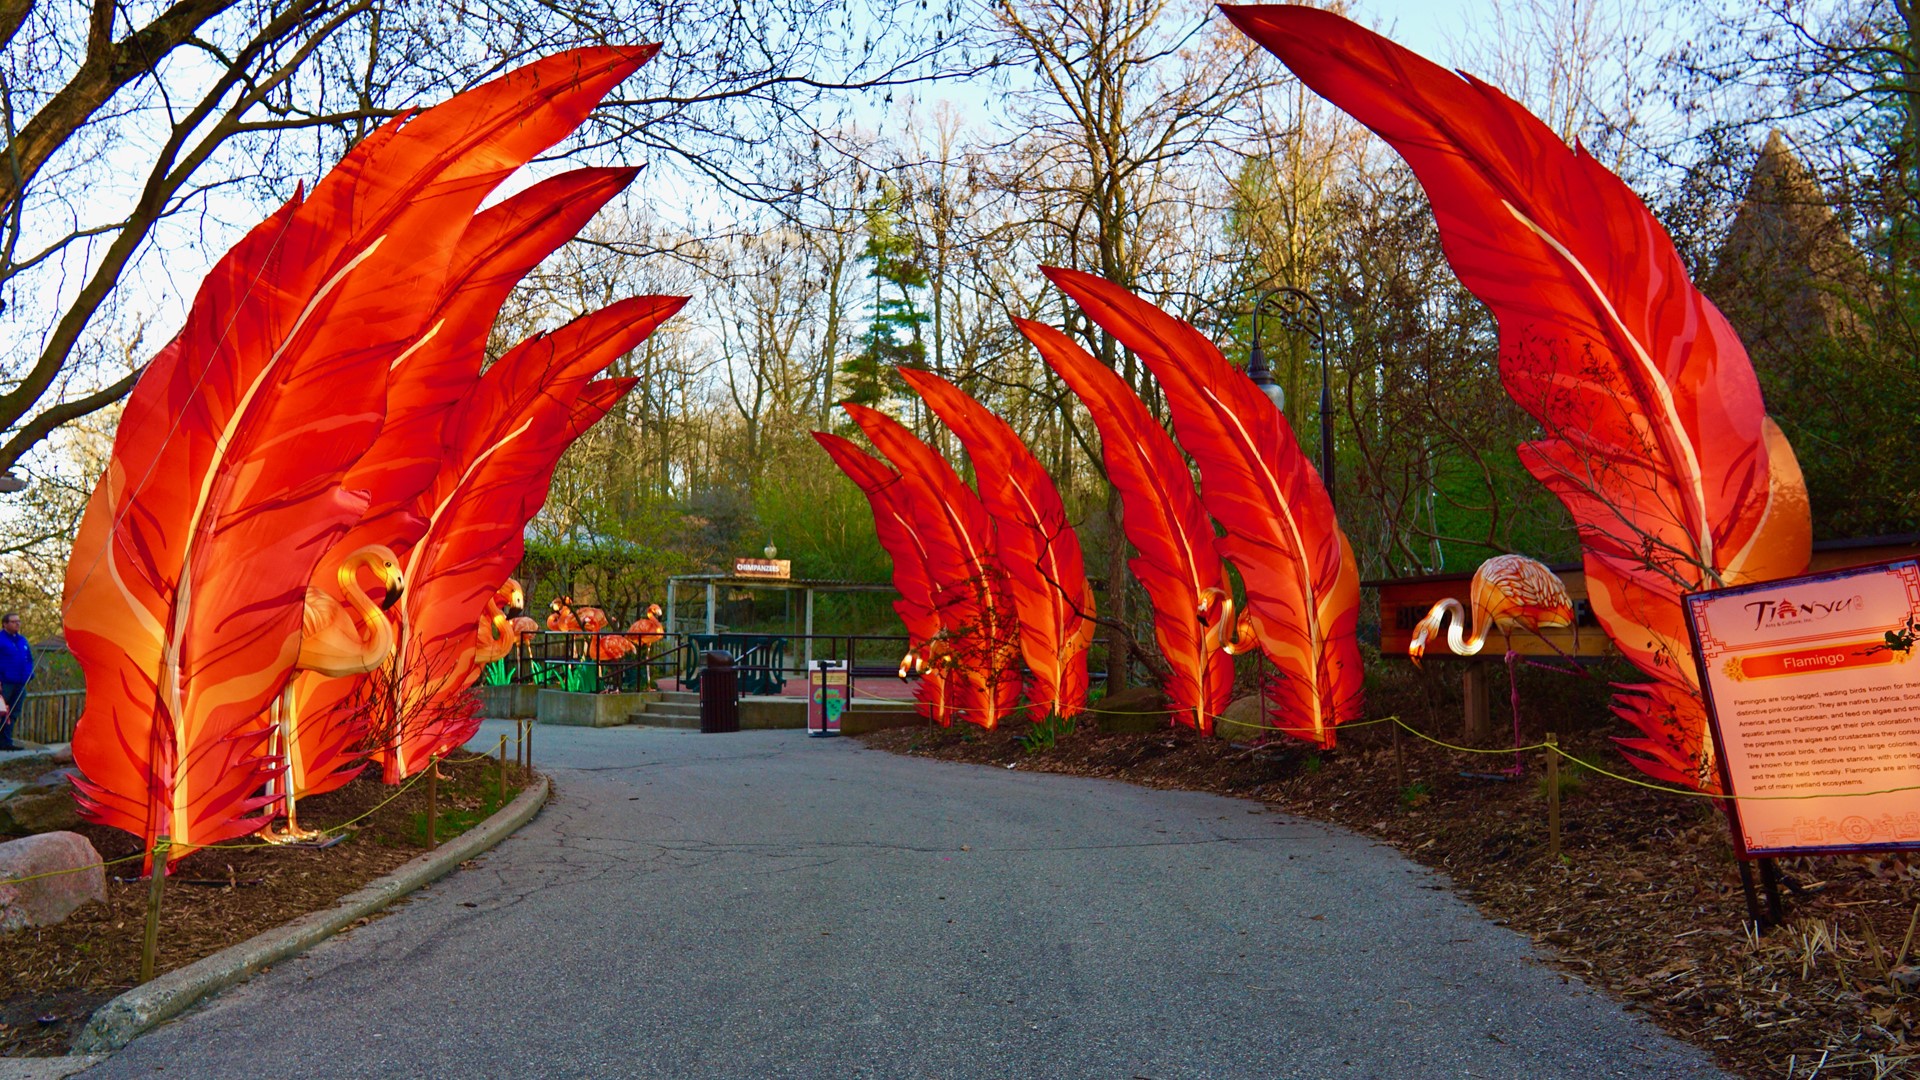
[1295,306]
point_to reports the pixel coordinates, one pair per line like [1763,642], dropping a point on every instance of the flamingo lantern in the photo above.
[560,617]
[333,644]
[498,630]
[647,628]
[1508,593]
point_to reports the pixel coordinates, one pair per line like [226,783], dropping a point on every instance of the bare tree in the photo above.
[136,150]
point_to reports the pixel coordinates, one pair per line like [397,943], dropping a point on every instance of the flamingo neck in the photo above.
[379,632]
[1457,639]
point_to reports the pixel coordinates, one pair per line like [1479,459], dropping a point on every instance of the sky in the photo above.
[1421,25]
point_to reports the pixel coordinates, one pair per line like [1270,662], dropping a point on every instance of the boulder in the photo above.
[42,806]
[1244,719]
[44,878]
[1141,708]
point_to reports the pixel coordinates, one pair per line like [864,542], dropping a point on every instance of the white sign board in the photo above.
[1808,702]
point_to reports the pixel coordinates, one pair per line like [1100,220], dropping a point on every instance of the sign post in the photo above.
[1815,714]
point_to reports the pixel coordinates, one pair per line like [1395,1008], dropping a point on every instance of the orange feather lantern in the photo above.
[184,595]
[1303,589]
[1046,575]
[979,640]
[1657,440]
[1164,521]
[897,527]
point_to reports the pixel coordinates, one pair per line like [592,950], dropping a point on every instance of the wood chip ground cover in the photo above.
[57,975]
[1646,902]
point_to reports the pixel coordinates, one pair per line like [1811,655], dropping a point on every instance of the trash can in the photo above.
[828,692]
[719,701]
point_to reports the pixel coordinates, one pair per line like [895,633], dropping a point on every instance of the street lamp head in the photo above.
[1261,375]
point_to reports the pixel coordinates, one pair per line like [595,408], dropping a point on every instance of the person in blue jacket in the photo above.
[16,667]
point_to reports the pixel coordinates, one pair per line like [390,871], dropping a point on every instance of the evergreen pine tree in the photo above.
[893,337]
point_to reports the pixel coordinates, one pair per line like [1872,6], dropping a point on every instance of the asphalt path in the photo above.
[768,905]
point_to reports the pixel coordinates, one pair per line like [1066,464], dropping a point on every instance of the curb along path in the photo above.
[138,1010]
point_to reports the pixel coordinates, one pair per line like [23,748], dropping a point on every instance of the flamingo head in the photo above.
[1208,598]
[653,611]
[396,583]
[515,596]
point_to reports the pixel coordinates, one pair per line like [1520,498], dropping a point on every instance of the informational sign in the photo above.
[1816,718]
[828,691]
[763,568]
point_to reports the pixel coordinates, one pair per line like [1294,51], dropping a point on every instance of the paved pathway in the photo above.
[765,905]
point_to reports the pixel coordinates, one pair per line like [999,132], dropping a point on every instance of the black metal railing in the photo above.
[573,661]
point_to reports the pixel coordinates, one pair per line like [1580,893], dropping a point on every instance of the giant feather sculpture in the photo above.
[501,448]
[184,595]
[322,718]
[1656,438]
[1303,589]
[980,632]
[1164,521]
[895,525]
[431,377]
[1046,572]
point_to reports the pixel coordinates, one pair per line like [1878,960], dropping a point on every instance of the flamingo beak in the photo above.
[396,585]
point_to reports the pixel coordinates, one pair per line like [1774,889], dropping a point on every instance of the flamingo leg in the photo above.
[276,782]
[286,740]
[1513,698]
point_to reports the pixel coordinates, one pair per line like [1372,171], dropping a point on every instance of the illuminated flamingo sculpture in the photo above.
[560,616]
[497,632]
[1508,593]
[225,489]
[1657,440]
[647,629]
[336,640]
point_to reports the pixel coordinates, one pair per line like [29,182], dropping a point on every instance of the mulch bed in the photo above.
[1645,902]
[57,975]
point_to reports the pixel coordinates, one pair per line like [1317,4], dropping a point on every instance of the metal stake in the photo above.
[1553,797]
[151,946]
[433,776]
[503,770]
[1399,759]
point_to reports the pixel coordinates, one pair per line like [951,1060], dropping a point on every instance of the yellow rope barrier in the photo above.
[342,827]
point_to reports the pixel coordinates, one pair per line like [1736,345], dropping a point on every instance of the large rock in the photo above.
[42,806]
[44,878]
[1246,718]
[1140,708]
